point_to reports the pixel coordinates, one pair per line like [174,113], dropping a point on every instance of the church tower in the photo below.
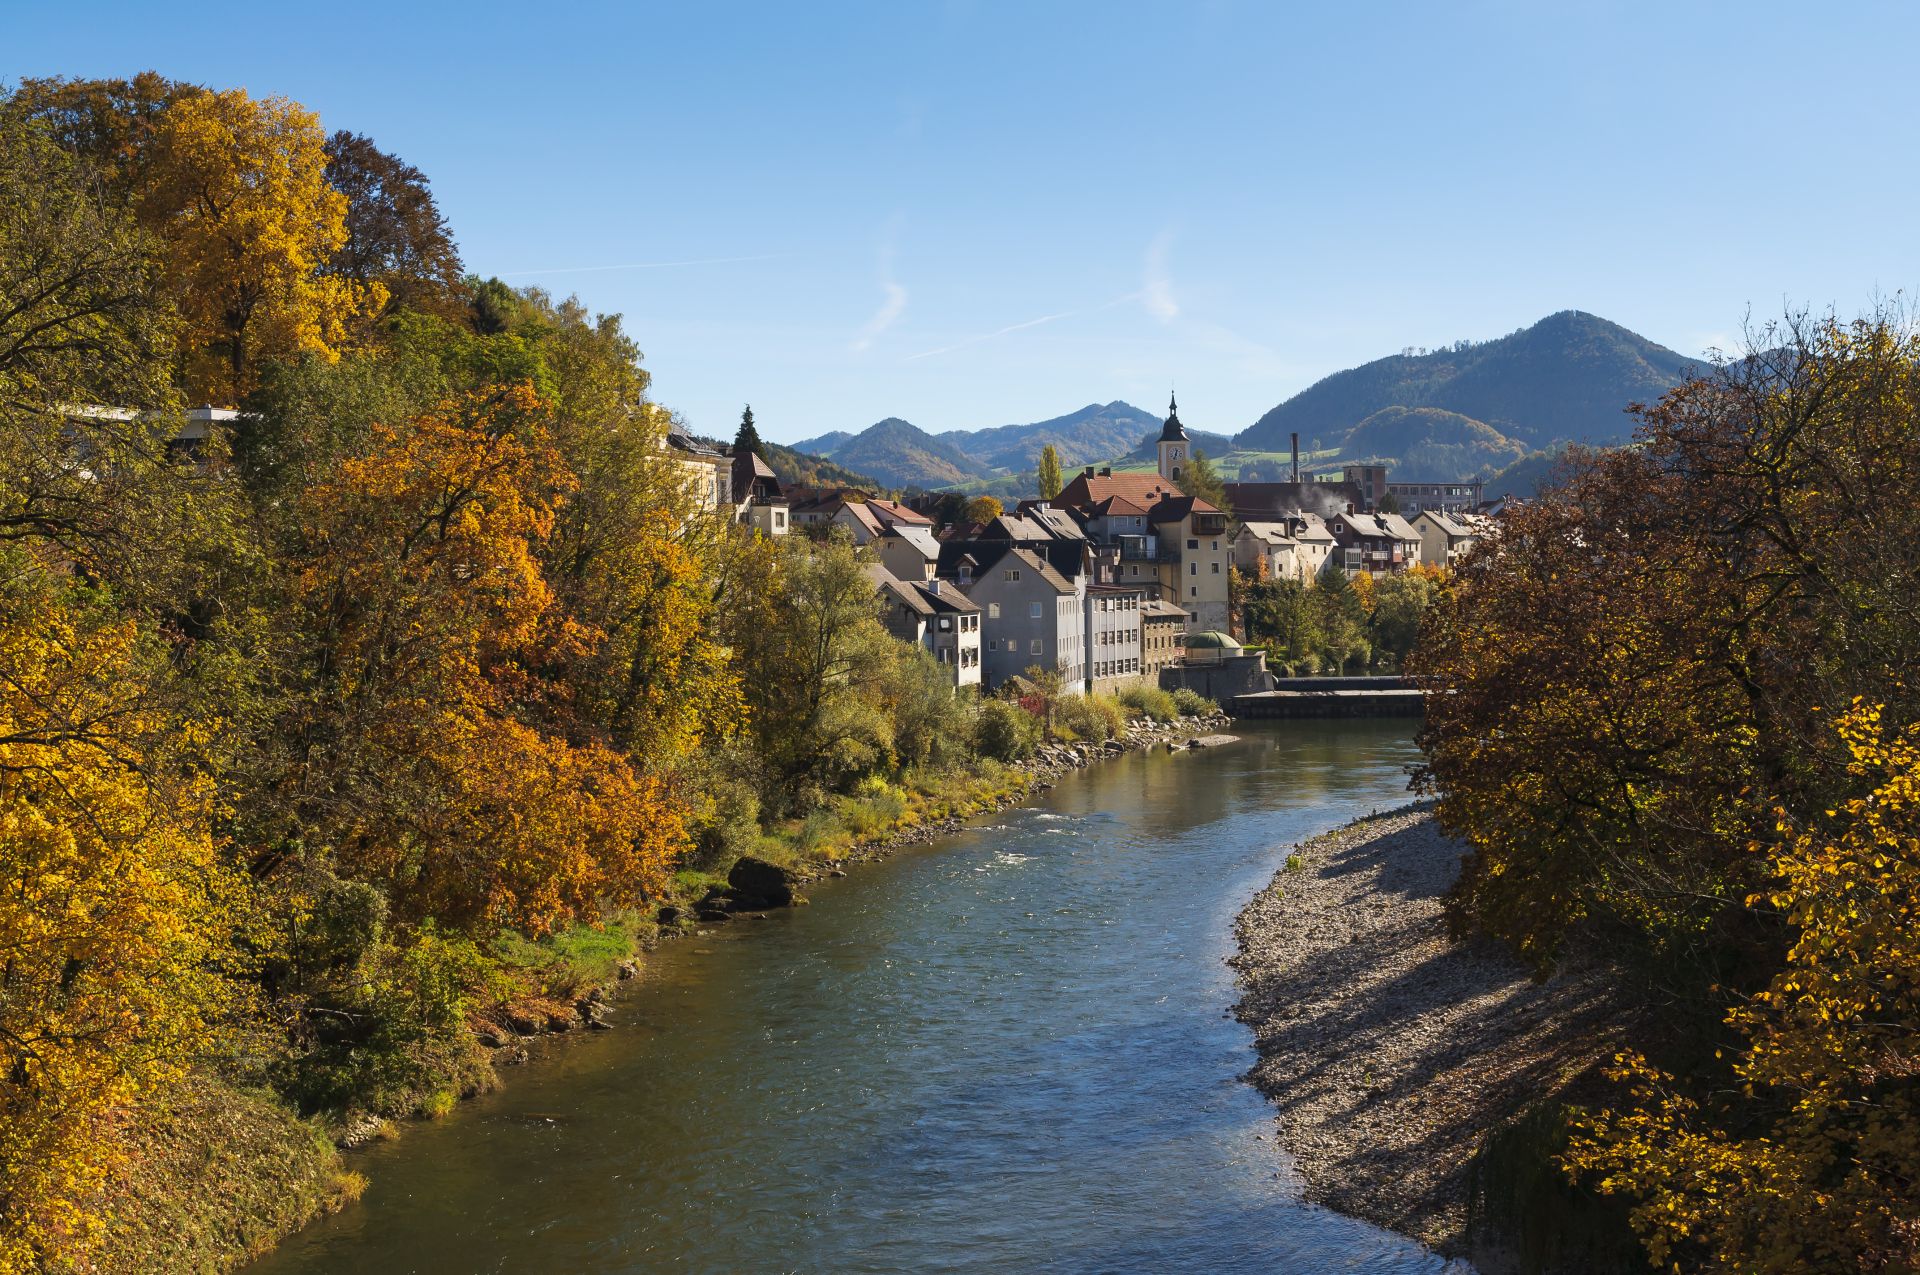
[1173,445]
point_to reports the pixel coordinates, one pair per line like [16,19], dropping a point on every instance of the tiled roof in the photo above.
[944,595]
[892,511]
[1268,531]
[863,515]
[1174,508]
[898,590]
[1144,490]
[1036,563]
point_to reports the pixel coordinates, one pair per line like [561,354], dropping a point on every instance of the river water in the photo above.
[1006,1051]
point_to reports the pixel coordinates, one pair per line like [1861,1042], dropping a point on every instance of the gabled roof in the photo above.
[1086,489]
[897,590]
[919,537]
[1363,525]
[1162,610]
[1271,532]
[892,511]
[1397,527]
[1117,507]
[858,511]
[945,596]
[1038,564]
[1016,528]
[1056,522]
[1314,528]
[1174,508]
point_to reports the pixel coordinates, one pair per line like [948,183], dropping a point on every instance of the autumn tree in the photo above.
[1634,730]
[1049,475]
[238,194]
[396,237]
[84,344]
[116,913]
[981,510]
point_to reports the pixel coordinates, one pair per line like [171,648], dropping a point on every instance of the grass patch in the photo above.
[212,1175]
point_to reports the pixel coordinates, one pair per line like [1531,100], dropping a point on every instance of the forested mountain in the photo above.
[1428,440]
[901,454]
[823,445]
[1096,432]
[797,468]
[1567,378]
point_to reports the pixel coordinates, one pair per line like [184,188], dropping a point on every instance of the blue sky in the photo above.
[972,214]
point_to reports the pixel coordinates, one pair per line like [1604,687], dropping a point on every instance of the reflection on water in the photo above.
[1006,1051]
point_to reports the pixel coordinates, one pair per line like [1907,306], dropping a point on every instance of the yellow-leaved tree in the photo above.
[113,909]
[1810,1164]
[237,191]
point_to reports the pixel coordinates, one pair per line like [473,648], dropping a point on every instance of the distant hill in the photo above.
[796,468]
[903,455]
[824,445]
[1148,448]
[1097,431]
[1568,378]
[1426,443]
[1525,477]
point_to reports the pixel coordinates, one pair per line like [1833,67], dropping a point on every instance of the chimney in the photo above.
[1088,471]
[1296,456]
[1106,472]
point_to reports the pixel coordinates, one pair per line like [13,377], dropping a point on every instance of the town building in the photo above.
[1454,497]
[909,552]
[1447,537]
[1113,628]
[933,614]
[1379,544]
[1163,628]
[758,500]
[1032,614]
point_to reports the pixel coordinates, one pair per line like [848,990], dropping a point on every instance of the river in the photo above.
[1009,1050]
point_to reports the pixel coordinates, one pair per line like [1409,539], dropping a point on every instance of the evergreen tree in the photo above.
[748,439]
[1050,483]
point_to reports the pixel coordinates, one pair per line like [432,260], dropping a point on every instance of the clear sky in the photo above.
[973,214]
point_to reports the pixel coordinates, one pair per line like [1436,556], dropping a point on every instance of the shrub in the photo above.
[1193,704]
[1004,731]
[1094,718]
[1151,701]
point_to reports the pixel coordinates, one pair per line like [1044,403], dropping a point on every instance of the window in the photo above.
[993,610]
[1216,545]
[1033,611]
[1216,568]
[946,624]
[1194,592]
[1193,568]
[1036,647]
[1193,544]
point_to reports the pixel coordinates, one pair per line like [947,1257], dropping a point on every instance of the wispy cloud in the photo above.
[1022,326]
[893,302]
[643,265]
[1157,288]
[885,317]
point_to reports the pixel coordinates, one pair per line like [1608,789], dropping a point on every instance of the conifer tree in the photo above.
[748,439]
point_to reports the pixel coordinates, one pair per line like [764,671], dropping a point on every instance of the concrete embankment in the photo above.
[1388,1049]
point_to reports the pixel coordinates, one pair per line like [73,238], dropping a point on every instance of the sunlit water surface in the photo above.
[1006,1051]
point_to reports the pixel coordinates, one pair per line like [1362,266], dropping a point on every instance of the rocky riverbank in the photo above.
[1388,1049]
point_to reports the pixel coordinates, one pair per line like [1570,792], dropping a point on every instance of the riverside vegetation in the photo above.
[402,706]
[1675,723]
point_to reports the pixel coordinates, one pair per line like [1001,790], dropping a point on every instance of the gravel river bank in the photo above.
[1387,1049]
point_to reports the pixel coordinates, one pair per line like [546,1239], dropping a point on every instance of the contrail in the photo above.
[643,265]
[1015,327]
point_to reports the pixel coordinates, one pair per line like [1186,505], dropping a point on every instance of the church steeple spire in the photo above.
[1173,431]
[1173,444]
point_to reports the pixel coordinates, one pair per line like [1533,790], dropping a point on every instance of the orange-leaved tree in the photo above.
[433,751]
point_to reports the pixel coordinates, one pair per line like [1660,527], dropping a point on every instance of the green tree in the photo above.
[1200,480]
[1049,476]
